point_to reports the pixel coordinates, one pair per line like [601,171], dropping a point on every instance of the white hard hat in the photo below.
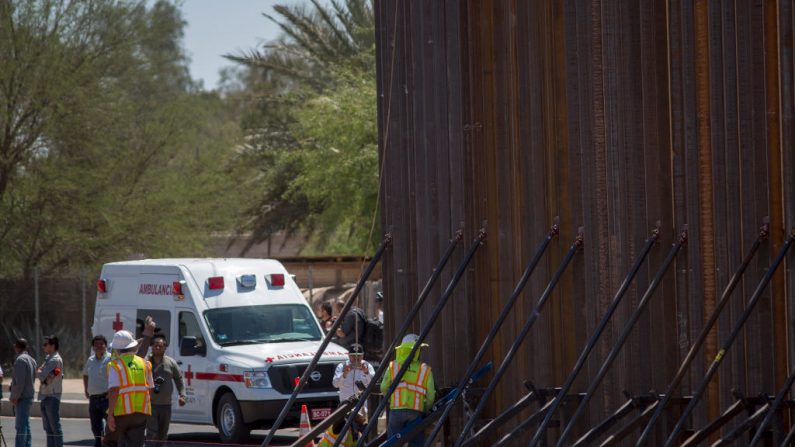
[410,338]
[123,340]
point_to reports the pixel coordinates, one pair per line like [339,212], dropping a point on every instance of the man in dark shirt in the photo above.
[351,330]
[165,371]
[22,391]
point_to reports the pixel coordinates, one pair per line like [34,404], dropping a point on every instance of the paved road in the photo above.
[77,432]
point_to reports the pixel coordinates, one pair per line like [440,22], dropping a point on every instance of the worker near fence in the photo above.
[348,373]
[415,394]
[95,386]
[166,374]
[129,384]
[330,436]
[50,375]
[22,391]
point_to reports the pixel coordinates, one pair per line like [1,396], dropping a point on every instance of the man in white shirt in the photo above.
[353,370]
[95,386]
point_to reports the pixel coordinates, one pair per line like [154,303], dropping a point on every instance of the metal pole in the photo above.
[789,438]
[83,308]
[702,336]
[614,351]
[633,271]
[437,271]
[713,368]
[426,329]
[771,413]
[531,319]
[327,339]
[506,310]
[311,283]
[338,414]
[36,308]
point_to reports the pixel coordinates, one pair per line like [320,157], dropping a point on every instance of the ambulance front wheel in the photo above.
[230,421]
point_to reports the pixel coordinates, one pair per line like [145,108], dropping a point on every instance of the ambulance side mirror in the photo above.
[187,346]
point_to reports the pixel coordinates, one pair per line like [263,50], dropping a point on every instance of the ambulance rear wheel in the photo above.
[231,428]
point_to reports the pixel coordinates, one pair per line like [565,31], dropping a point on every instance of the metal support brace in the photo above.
[716,362]
[627,329]
[639,420]
[338,414]
[740,405]
[594,338]
[327,339]
[633,403]
[631,426]
[774,407]
[761,236]
[407,320]
[529,322]
[509,413]
[426,329]
[504,314]
[535,417]
[419,425]
[742,428]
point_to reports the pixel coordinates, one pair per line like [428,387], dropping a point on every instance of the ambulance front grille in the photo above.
[283,378]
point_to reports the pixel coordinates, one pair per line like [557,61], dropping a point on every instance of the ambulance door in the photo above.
[195,366]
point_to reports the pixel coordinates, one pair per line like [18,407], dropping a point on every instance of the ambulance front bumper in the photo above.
[265,412]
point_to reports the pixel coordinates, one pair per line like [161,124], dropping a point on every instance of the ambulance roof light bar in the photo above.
[215,283]
[248,281]
[275,279]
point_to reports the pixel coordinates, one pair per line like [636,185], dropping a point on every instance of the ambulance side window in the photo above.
[189,327]
[162,320]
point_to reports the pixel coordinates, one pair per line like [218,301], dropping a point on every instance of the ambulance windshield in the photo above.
[262,324]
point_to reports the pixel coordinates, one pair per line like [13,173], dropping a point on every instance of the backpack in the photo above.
[373,339]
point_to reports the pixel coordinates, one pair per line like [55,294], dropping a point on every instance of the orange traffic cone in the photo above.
[303,427]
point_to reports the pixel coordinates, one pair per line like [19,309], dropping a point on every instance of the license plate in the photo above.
[320,413]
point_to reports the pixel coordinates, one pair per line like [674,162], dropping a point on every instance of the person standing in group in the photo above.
[352,328]
[329,437]
[353,370]
[379,306]
[166,373]
[50,388]
[22,391]
[129,384]
[348,373]
[326,320]
[414,395]
[95,385]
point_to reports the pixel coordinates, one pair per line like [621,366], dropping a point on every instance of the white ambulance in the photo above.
[240,329]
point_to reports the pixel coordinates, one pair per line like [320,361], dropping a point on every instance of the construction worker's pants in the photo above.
[129,432]
[398,419]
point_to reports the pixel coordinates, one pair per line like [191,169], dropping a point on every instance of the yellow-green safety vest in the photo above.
[412,392]
[133,394]
[329,438]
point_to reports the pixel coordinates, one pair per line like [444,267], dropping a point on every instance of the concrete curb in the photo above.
[73,402]
[69,409]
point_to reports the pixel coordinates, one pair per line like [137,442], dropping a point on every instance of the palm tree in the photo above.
[318,41]
[314,40]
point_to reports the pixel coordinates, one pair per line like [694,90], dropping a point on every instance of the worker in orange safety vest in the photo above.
[415,394]
[129,385]
[330,436]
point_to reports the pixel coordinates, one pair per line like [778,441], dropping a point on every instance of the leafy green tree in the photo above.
[109,150]
[312,130]
[339,163]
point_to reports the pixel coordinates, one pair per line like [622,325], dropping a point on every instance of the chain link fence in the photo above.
[40,306]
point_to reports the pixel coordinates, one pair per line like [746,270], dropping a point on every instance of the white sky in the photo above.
[217,27]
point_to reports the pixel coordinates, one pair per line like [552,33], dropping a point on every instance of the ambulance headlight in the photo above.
[257,379]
